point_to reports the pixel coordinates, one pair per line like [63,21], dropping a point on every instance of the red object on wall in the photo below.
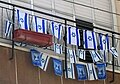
[41,39]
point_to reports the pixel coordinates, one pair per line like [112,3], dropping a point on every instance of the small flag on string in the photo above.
[58,48]
[114,52]
[39,25]
[103,54]
[35,57]
[81,72]
[81,54]
[95,56]
[104,42]
[44,59]
[91,72]
[72,56]
[57,67]
[101,70]
[8,25]
[23,20]
[70,71]
[56,29]
[73,36]
[90,41]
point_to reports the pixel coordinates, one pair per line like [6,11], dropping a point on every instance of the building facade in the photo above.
[90,15]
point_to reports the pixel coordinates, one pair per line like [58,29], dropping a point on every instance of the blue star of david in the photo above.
[39,26]
[57,67]
[42,60]
[71,56]
[90,71]
[36,57]
[69,69]
[21,20]
[81,52]
[100,71]
[94,56]
[56,27]
[104,41]
[114,50]
[57,46]
[73,34]
[81,72]
[89,38]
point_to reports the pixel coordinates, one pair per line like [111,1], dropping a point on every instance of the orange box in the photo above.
[41,39]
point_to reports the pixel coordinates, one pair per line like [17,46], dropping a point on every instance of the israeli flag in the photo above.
[8,25]
[101,70]
[81,72]
[73,36]
[114,52]
[58,48]
[44,59]
[39,25]
[57,67]
[95,56]
[90,41]
[91,72]
[72,56]
[23,20]
[81,54]
[70,71]
[35,57]
[104,42]
[103,54]
[56,29]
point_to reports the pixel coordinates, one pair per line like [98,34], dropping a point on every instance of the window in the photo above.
[82,25]
[95,16]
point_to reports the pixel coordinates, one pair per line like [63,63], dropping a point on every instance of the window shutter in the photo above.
[103,18]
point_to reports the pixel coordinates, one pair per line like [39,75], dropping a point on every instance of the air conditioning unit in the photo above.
[41,39]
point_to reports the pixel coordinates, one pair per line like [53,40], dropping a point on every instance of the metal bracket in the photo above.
[113,60]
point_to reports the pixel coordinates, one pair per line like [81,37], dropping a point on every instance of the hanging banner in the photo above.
[90,41]
[44,59]
[70,71]
[114,52]
[81,72]
[101,70]
[57,48]
[73,36]
[39,25]
[104,42]
[95,56]
[56,29]
[72,56]
[23,20]
[91,72]
[35,57]
[8,25]
[81,54]
[57,67]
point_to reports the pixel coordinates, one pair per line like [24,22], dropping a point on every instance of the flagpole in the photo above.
[39,77]
[61,79]
[104,81]
[84,81]
[16,73]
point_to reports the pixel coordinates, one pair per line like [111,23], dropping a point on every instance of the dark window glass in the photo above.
[88,26]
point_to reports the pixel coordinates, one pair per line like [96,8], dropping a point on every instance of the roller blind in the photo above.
[45,4]
[92,15]
[82,12]
[63,6]
[103,18]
